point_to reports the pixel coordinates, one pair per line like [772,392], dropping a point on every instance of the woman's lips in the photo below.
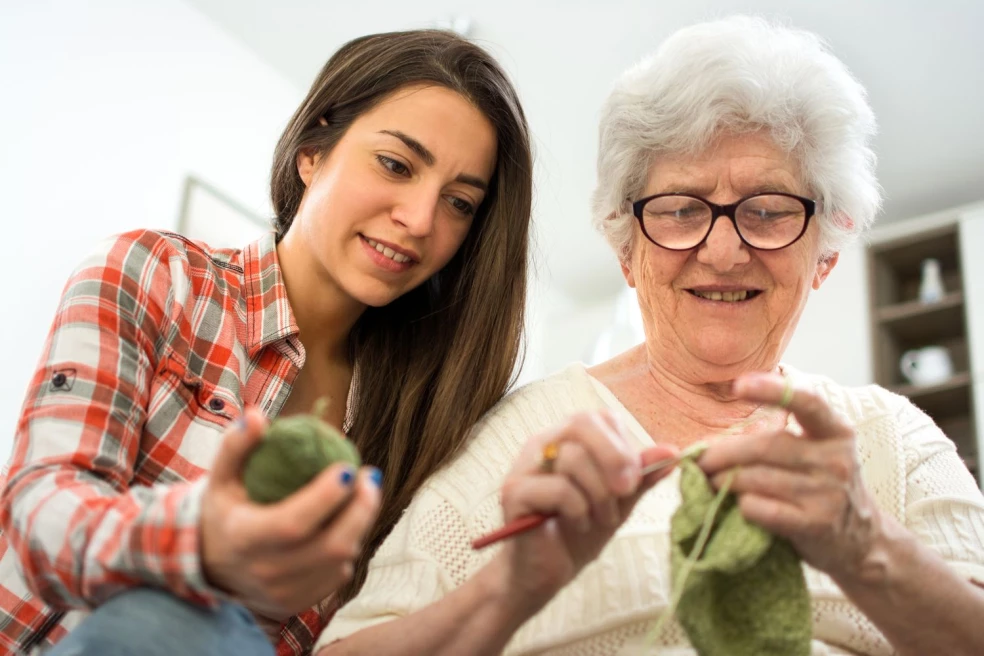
[726,295]
[382,260]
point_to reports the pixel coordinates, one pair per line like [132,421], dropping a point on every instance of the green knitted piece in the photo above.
[745,594]
[294,451]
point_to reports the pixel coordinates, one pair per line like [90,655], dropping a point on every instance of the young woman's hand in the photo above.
[282,558]
[591,487]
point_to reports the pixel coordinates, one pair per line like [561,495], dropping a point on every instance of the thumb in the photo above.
[238,442]
[651,455]
[657,454]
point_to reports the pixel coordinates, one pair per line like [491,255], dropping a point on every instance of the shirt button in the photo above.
[216,404]
[59,379]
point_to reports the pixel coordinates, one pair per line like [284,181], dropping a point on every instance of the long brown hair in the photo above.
[433,361]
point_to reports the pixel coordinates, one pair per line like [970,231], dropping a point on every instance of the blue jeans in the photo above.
[151,622]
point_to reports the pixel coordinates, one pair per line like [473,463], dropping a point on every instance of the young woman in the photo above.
[394,284]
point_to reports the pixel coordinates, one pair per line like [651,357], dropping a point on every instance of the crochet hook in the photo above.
[529,522]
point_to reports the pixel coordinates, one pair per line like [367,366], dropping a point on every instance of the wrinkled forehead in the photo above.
[745,163]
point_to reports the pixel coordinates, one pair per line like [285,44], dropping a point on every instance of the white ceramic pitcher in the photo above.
[926,366]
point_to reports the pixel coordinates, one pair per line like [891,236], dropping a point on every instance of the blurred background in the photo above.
[164,113]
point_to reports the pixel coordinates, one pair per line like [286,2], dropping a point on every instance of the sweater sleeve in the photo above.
[944,506]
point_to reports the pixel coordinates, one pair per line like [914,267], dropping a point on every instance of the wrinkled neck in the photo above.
[675,406]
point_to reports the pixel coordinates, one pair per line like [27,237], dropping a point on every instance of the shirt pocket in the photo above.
[186,419]
[179,393]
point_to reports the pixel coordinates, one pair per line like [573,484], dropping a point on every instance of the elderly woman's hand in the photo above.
[805,488]
[590,487]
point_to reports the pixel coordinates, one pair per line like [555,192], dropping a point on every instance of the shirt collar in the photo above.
[268,314]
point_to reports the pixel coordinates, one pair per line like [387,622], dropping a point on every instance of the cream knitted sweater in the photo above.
[908,464]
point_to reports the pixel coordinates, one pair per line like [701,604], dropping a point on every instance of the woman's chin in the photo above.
[376,293]
[376,300]
[724,354]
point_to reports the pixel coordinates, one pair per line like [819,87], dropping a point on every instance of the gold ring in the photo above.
[548,457]
[787,393]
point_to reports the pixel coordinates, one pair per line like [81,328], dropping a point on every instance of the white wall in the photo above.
[107,106]
[833,337]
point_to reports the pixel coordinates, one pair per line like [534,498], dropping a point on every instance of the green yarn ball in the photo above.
[294,451]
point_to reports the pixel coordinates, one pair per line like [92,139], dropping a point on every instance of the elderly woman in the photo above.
[732,167]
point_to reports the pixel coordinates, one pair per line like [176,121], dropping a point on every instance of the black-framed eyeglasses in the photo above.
[766,222]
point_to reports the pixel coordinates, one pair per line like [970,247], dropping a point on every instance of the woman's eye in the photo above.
[399,168]
[462,206]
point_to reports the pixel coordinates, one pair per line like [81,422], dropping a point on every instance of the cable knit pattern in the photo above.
[908,464]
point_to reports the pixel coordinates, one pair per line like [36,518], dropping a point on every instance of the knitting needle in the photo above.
[529,522]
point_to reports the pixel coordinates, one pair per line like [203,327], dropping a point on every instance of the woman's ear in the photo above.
[844,220]
[627,272]
[625,259]
[307,164]
[308,159]
[824,267]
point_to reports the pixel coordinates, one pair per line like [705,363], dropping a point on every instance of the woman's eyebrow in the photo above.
[414,145]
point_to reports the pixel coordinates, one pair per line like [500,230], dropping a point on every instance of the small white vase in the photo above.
[931,286]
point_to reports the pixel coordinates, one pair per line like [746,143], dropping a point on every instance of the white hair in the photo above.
[739,75]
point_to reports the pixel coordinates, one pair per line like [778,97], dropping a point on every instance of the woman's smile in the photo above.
[728,295]
[387,256]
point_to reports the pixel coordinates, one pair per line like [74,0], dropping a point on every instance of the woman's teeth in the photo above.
[388,252]
[728,297]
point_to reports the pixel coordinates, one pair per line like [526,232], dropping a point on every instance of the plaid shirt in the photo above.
[156,346]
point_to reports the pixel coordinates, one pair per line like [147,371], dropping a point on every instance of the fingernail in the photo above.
[376,476]
[346,476]
[241,423]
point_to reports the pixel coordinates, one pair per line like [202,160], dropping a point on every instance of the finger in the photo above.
[765,481]
[548,495]
[344,535]
[603,439]
[304,589]
[598,431]
[577,465]
[530,457]
[775,516]
[325,560]
[239,440]
[813,413]
[612,421]
[649,456]
[302,515]
[652,455]
[777,448]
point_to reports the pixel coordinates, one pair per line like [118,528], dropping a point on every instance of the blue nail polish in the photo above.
[346,476]
[376,476]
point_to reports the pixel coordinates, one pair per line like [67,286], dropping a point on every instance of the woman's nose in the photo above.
[723,249]
[417,212]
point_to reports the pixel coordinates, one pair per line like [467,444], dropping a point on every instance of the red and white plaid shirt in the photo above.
[156,346]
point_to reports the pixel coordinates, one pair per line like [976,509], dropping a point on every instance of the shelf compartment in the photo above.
[902,312]
[916,324]
[896,266]
[947,399]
